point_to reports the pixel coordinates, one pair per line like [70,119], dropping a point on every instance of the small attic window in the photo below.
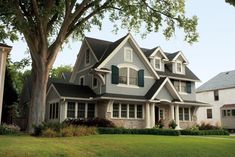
[157,63]
[179,67]
[128,54]
[87,57]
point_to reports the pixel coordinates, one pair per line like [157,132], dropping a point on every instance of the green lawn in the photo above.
[116,145]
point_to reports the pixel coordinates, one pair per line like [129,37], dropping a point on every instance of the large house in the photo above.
[131,86]
[4,51]
[219,92]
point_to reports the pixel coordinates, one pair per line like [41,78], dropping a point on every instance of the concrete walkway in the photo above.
[207,137]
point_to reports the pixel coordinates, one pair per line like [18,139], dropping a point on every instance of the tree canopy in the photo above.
[232,2]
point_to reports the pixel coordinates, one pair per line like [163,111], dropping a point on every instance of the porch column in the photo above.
[152,109]
[177,119]
[172,112]
[147,115]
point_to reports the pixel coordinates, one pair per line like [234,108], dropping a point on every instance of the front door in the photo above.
[156,115]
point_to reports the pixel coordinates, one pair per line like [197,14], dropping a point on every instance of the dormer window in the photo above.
[179,67]
[128,54]
[157,63]
[87,57]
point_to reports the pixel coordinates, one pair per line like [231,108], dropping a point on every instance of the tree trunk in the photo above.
[40,74]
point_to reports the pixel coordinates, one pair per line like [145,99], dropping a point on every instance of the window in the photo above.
[233,112]
[161,114]
[157,63]
[91,111]
[216,95]
[127,54]
[81,110]
[224,113]
[123,75]
[121,110]
[177,85]
[228,112]
[179,67]
[184,114]
[81,81]
[95,82]
[133,78]
[128,76]
[54,111]
[71,110]
[209,113]
[124,110]
[182,86]
[131,111]
[116,110]
[87,57]
[139,111]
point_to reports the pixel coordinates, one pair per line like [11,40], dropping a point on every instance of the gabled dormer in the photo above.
[158,59]
[179,62]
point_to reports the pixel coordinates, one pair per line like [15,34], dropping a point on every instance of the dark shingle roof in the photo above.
[66,75]
[4,45]
[171,56]
[72,90]
[221,81]
[148,52]
[154,88]
[188,73]
[111,95]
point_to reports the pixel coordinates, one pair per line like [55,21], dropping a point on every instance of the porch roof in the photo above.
[228,106]
[122,96]
[193,103]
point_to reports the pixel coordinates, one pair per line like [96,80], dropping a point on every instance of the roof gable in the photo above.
[179,54]
[159,50]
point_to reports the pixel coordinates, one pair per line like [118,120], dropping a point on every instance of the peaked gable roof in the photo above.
[221,81]
[4,45]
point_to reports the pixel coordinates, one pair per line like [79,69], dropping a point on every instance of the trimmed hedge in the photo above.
[204,132]
[138,131]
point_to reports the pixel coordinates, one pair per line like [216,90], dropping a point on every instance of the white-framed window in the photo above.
[128,54]
[157,63]
[94,82]
[161,113]
[183,87]
[184,114]
[54,110]
[179,67]
[87,57]
[71,110]
[127,111]
[128,76]
[82,80]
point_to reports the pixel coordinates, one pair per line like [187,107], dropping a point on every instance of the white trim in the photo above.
[176,67]
[163,109]
[171,85]
[127,85]
[84,82]
[189,108]
[160,63]
[72,98]
[124,99]
[159,49]
[128,65]
[52,86]
[179,78]
[102,70]
[180,53]
[86,52]
[84,69]
[126,50]
[149,77]
[129,36]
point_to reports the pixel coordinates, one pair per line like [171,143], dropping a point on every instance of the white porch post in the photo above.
[172,112]
[152,110]
[177,119]
[147,115]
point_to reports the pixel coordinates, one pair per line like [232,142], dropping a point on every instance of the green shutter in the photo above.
[188,85]
[141,78]
[115,75]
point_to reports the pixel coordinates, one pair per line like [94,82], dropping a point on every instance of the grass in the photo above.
[115,146]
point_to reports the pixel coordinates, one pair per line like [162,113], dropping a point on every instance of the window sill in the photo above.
[183,93]
[127,118]
[127,86]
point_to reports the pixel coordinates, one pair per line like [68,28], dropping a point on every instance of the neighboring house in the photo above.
[4,51]
[131,86]
[219,92]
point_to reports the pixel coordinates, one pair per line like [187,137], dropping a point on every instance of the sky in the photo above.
[212,54]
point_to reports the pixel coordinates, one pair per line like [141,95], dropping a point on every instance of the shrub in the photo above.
[160,124]
[54,126]
[97,122]
[172,124]
[208,126]
[49,133]
[9,129]
[67,131]
[139,131]
[204,132]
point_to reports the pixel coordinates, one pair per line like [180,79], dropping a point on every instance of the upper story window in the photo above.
[183,86]
[95,82]
[128,54]
[157,63]
[179,67]
[82,80]
[216,95]
[87,57]
[128,76]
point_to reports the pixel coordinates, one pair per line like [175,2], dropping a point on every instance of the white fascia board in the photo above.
[159,49]
[91,49]
[179,78]
[180,53]
[53,87]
